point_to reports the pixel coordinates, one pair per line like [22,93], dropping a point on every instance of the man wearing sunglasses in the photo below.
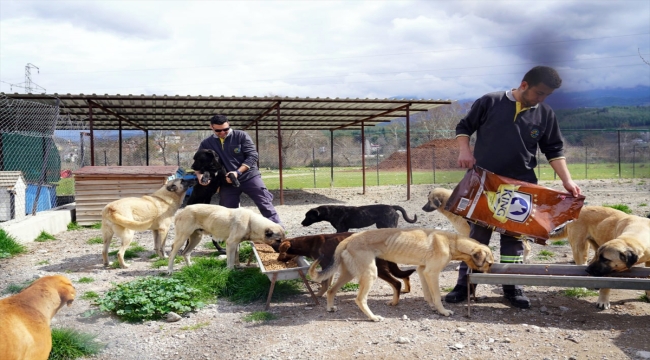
[238,156]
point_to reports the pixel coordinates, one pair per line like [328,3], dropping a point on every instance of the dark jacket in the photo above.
[237,149]
[508,146]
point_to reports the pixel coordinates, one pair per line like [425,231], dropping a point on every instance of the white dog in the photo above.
[234,225]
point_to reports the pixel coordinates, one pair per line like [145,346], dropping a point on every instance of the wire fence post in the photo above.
[619,152]
[377,158]
[433,160]
[313,163]
[586,161]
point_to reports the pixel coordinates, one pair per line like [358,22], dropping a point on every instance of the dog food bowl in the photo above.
[285,274]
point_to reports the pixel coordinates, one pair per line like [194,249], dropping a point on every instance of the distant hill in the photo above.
[639,95]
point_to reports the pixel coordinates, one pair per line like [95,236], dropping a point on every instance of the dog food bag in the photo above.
[512,207]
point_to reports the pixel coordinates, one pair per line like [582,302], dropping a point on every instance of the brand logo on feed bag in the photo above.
[509,204]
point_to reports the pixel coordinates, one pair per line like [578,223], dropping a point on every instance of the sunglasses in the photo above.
[220,130]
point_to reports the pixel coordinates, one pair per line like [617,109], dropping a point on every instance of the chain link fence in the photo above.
[31,156]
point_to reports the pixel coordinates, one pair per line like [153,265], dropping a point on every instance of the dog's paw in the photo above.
[332,309]
[446,312]
[392,303]
[603,305]
[376,318]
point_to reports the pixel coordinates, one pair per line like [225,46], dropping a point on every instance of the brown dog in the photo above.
[25,318]
[430,250]
[323,247]
[437,200]
[620,241]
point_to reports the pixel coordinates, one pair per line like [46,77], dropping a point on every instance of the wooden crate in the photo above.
[96,186]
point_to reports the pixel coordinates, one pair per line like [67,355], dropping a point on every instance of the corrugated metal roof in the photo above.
[153,112]
[8,179]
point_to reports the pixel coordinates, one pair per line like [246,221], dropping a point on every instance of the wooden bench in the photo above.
[637,278]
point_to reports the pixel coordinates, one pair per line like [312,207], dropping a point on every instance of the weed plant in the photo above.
[579,292]
[9,246]
[259,316]
[44,236]
[68,344]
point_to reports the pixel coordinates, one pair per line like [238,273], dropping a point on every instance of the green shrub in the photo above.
[90,295]
[9,246]
[559,242]
[545,254]
[86,280]
[149,298]
[350,287]
[97,225]
[74,226]
[44,236]
[68,344]
[16,288]
[133,251]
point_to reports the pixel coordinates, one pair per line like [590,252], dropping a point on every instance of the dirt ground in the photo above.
[555,327]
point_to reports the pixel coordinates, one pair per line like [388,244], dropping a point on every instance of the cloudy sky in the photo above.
[365,49]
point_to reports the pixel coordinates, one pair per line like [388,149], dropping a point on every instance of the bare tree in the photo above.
[440,122]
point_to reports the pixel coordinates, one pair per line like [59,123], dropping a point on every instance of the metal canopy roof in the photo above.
[153,112]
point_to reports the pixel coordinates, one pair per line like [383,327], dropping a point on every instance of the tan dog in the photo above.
[25,318]
[430,249]
[125,216]
[437,200]
[620,241]
[234,225]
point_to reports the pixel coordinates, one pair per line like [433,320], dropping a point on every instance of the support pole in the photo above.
[280,155]
[363,156]
[408,153]
[331,158]
[92,135]
[119,121]
[146,139]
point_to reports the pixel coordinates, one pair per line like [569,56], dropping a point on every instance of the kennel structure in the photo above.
[12,195]
[96,186]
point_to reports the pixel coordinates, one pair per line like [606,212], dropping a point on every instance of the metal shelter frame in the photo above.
[154,112]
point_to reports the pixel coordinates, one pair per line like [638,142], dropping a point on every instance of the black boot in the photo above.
[458,294]
[516,298]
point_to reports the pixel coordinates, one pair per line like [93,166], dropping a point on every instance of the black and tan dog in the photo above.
[344,218]
[430,250]
[620,241]
[25,318]
[210,177]
[323,247]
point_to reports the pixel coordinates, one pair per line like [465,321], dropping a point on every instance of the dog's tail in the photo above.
[119,219]
[406,217]
[397,272]
[328,271]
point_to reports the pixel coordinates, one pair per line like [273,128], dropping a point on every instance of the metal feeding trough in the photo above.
[636,278]
[284,274]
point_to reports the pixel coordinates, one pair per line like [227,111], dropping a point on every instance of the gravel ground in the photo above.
[556,326]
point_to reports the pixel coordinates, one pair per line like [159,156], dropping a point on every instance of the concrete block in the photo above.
[52,221]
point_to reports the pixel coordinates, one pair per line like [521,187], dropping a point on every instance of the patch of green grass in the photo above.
[43,262]
[149,298]
[644,297]
[97,225]
[95,240]
[164,262]
[559,242]
[9,246]
[90,295]
[14,288]
[624,208]
[70,344]
[579,292]
[545,254]
[44,236]
[65,186]
[131,252]
[196,326]
[350,287]
[448,289]
[211,277]
[74,226]
[259,316]
[86,280]
[643,205]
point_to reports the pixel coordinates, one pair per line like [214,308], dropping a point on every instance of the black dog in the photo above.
[212,176]
[344,218]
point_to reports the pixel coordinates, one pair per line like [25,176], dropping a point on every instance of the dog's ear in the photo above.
[284,247]
[437,202]
[312,212]
[630,258]
[479,257]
